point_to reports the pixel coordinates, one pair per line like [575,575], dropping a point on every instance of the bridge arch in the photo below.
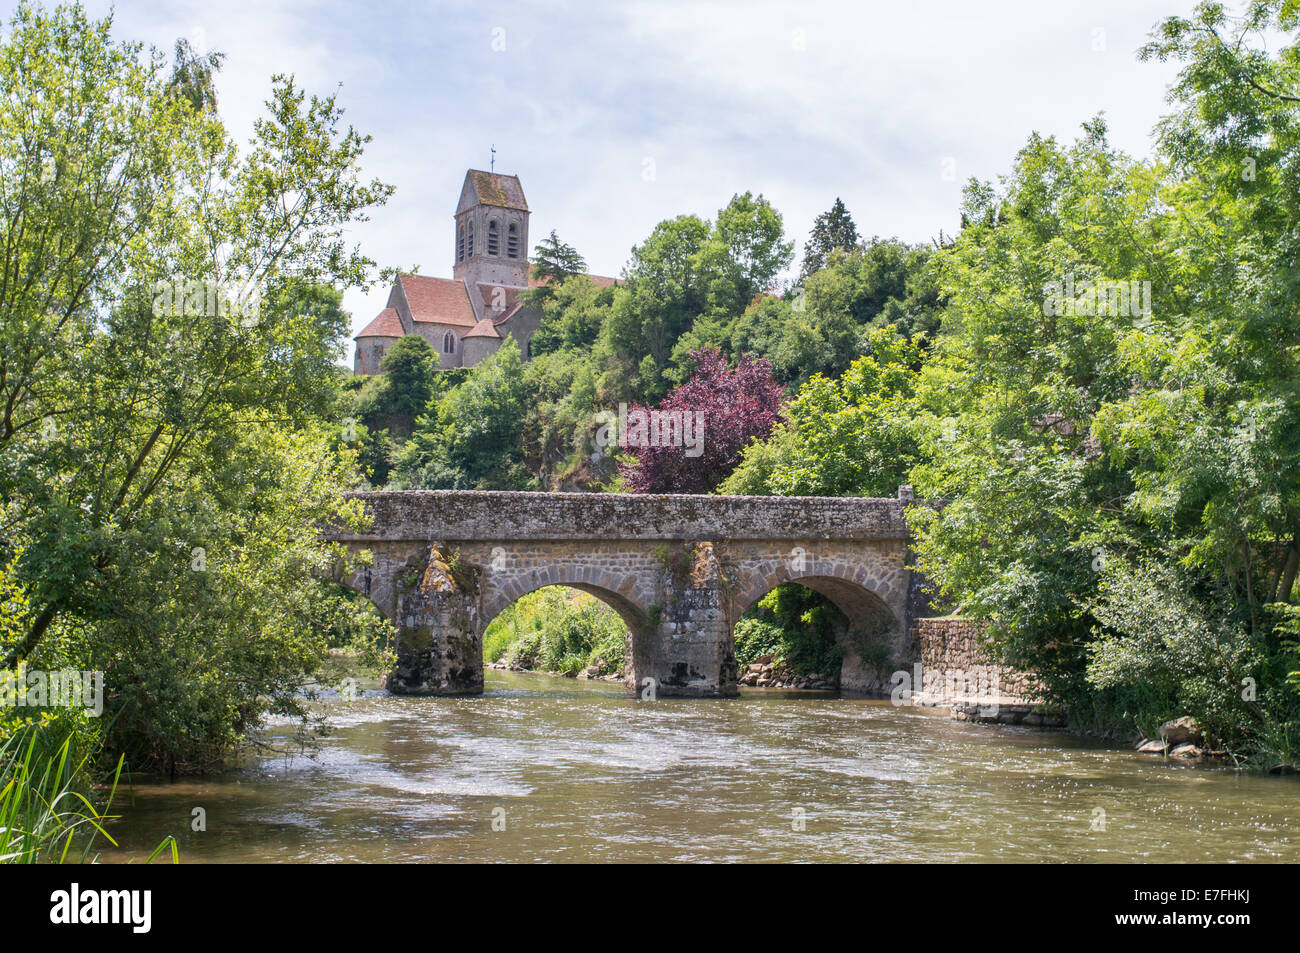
[629,593]
[876,640]
[618,594]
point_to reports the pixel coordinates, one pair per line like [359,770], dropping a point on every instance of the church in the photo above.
[467,316]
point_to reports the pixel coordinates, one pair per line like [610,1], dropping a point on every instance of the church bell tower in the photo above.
[491,241]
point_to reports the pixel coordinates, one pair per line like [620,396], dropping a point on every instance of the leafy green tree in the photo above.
[664,291]
[1096,444]
[192,75]
[389,402]
[156,320]
[472,440]
[832,230]
[559,423]
[573,312]
[850,436]
[750,231]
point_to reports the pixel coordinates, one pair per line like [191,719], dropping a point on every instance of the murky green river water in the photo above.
[550,769]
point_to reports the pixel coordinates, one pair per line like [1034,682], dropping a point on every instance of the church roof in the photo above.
[493,188]
[484,329]
[600,281]
[438,300]
[385,325]
[509,297]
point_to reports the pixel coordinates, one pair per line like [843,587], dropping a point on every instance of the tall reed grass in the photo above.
[46,811]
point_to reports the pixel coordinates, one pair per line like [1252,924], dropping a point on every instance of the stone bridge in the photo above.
[680,570]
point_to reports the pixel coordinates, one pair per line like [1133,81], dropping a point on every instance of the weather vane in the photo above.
[492,165]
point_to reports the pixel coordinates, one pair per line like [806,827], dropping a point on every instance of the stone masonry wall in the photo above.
[954,670]
[679,569]
[506,515]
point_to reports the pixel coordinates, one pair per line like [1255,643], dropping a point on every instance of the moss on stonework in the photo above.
[448,573]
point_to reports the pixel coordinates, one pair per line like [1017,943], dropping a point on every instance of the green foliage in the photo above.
[142,430]
[1124,494]
[471,440]
[555,261]
[573,311]
[389,403]
[558,630]
[833,230]
[846,437]
[47,814]
[793,624]
[1154,636]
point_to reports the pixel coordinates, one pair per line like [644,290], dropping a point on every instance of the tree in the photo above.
[192,76]
[404,386]
[687,272]
[471,439]
[850,436]
[553,260]
[663,291]
[750,230]
[831,230]
[161,349]
[573,312]
[1114,413]
[719,411]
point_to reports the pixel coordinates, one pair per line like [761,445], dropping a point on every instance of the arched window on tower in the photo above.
[469,241]
[494,245]
[449,343]
[460,241]
[512,241]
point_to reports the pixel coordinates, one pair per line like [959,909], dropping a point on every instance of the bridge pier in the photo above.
[690,653]
[439,639]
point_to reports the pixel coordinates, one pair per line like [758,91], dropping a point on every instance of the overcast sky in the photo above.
[618,115]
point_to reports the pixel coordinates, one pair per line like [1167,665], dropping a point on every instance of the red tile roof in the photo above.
[507,315]
[386,325]
[438,300]
[484,329]
[509,298]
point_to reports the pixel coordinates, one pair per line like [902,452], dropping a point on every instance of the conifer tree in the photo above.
[831,230]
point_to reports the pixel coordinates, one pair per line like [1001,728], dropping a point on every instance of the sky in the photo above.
[617,115]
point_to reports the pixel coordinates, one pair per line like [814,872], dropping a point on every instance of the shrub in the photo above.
[558,630]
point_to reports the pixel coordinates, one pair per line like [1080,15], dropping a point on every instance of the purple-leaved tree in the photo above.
[716,412]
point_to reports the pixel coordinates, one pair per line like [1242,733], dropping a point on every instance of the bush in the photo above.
[796,625]
[558,630]
[1166,654]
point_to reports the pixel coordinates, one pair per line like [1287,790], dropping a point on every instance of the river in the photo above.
[550,769]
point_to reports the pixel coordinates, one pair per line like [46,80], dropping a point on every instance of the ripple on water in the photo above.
[586,773]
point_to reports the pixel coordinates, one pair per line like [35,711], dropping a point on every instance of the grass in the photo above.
[46,815]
